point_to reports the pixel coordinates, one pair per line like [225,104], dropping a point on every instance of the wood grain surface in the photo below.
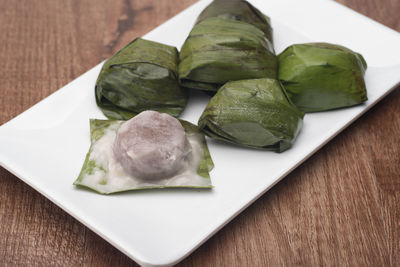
[339,208]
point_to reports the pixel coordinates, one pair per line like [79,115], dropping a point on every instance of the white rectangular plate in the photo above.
[46,145]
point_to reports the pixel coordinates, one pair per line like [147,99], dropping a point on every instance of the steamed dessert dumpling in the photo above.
[254,113]
[141,76]
[323,76]
[231,41]
[151,150]
[152,145]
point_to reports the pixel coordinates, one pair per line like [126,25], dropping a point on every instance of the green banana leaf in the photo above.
[238,10]
[254,113]
[94,173]
[141,76]
[219,50]
[322,76]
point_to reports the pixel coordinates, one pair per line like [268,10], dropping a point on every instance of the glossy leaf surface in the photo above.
[141,76]
[219,50]
[238,10]
[322,76]
[254,113]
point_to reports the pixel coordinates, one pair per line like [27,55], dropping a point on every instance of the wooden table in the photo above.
[341,207]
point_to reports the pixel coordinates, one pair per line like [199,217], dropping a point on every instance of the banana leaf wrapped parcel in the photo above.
[141,76]
[322,76]
[238,10]
[219,50]
[254,113]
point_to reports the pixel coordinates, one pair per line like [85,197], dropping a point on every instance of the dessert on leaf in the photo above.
[151,150]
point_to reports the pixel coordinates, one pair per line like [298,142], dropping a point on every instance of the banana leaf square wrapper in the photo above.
[141,76]
[94,174]
[254,113]
[219,50]
[238,10]
[322,76]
